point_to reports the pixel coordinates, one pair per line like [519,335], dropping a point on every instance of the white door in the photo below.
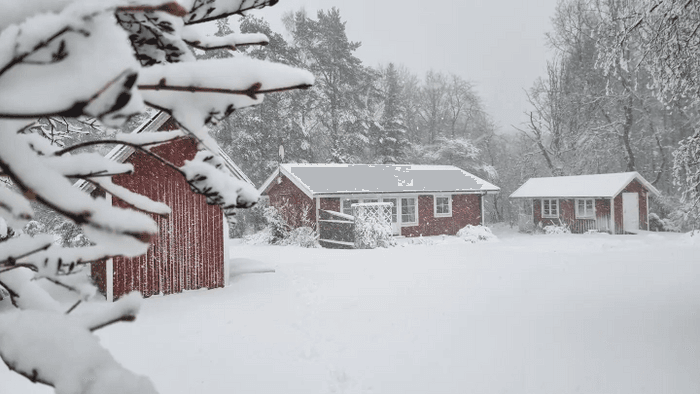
[630,212]
[395,218]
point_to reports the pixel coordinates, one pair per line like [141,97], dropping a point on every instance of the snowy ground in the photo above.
[528,314]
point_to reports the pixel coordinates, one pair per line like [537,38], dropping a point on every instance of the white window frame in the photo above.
[585,214]
[343,202]
[400,212]
[550,216]
[359,200]
[449,206]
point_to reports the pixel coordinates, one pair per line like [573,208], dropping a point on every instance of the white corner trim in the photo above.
[109,277]
[109,267]
[268,182]
[647,196]
[227,254]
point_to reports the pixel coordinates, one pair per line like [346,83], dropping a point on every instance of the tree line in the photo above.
[598,109]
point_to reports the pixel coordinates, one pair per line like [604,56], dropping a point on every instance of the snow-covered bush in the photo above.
[373,225]
[305,237]
[278,232]
[107,60]
[476,234]
[556,229]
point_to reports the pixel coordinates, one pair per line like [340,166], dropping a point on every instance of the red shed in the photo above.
[189,251]
[588,202]
[427,199]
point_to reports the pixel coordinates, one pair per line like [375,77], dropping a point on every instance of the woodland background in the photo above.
[596,111]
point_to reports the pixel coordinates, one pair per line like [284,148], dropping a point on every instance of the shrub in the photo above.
[476,234]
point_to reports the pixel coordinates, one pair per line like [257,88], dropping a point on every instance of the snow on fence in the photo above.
[336,230]
[372,224]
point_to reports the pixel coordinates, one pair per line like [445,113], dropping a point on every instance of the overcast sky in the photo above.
[498,45]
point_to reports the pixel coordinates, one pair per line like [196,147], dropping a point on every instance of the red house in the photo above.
[617,203]
[189,251]
[427,200]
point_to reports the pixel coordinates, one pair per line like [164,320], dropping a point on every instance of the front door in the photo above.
[630,212]
[395,225]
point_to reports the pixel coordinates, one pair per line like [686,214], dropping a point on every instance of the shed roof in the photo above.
[329,179]
[596,185]
[121,153]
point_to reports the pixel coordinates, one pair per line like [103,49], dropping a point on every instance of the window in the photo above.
[409,212]
[585,208]
[550,208]
[347,205]
[443,206]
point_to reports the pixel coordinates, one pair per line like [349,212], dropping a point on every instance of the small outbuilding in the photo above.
[617,203]
[190,251]
[426,199]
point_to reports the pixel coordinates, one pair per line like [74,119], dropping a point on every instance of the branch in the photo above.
[172,8]
[251,92]
[128,318]
[232,47]
[11,261]
[118,142]
[43,44]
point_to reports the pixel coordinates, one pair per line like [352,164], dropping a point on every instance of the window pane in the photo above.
[408,210]
[589,206]
[347,205]
[545,209]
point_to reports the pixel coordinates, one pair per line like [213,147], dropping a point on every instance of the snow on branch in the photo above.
[195,38]
[197,93]
[88,60]
[14,208]
[87,165]
[206,176]
[56,349]
[208,10]
[144,139]
[16,248]
[136,200]
[47,185]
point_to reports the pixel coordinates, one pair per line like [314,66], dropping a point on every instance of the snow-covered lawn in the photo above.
[525,314]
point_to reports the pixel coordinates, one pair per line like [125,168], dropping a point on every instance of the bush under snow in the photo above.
[476,234]
[556,229]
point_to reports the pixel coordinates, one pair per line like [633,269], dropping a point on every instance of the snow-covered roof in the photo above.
[122,152]
[597,185]
[327,179]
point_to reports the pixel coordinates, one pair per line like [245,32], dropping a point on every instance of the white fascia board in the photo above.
[641,180]
[263,188]
[386,194]
[296,181]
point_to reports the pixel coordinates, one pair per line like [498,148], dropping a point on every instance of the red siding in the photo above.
[292,202]
[188,251]
[330,204]
[466,209]
[634,187]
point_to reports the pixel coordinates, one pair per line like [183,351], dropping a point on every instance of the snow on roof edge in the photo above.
[522,192]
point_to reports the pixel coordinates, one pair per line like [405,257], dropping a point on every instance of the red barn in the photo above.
[189,251]
[427,200]
[617,203]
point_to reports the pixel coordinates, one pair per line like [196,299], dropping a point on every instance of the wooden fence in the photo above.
[336,230]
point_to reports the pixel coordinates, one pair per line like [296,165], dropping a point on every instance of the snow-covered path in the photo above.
[528,314]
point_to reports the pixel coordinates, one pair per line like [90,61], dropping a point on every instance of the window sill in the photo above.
[591,217]
[442,215]
[409,224]
[550,217]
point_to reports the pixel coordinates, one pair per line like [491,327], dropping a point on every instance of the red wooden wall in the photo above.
[292,202]
[188,252]
[466,209]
